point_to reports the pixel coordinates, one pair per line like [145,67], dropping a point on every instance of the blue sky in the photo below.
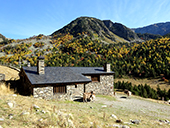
[24,18]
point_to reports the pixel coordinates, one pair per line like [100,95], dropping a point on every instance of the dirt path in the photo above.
[138,105]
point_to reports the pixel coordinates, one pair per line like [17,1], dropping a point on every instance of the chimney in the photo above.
[40,65]
[107,67]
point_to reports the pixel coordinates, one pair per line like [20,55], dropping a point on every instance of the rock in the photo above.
[168,101]
[37,110]
[167,121]
[118,121]
[36,107]
[40,120]
[1,119]
[43,111]
[129,123]
[11,104]
[70,116]
[162,121]
[120,126]
[70,123]
[91,123]
[114,116]
[125,126]
[135,121]
[41,92]
[116,125]
[104,106]
[24,113]
[10,116]
[14,95]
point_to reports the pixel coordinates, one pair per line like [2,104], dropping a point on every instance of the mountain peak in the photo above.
[105,30]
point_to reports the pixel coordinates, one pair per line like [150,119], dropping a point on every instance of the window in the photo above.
[95,78]
[59,89]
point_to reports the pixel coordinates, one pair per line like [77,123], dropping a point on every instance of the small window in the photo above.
[95,78]
[59,89]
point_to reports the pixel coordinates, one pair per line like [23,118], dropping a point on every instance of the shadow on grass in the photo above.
[17,87]
[123,97]
[79,99]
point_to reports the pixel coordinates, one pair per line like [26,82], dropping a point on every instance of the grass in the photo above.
[65,113]
[9,73]
[5,89]
[110,98]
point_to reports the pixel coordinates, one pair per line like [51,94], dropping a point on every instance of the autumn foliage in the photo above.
[143,60]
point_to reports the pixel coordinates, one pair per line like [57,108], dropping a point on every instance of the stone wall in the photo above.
[76,90]
[43,92]
[2,77]
[104,87]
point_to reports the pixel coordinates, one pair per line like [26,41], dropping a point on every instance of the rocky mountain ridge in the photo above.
[158,29]
[105,30]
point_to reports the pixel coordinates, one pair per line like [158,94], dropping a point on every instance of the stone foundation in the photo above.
[43,92]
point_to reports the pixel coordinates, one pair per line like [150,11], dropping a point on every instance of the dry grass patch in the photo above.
[9,73]
[5,89]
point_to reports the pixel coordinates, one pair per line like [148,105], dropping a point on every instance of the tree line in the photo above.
[144,90]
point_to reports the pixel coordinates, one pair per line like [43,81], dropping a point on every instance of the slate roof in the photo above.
[90,70]
[57,75]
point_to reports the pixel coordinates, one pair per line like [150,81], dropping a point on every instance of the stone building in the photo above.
[47,82]
[2,77]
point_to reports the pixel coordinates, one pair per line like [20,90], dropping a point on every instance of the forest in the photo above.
[150,59]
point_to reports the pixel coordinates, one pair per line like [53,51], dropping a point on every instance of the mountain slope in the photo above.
[2,38]
[121,30]
[105,30]
[159,28]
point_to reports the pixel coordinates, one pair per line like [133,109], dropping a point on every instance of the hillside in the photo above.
[9,73]
[67,47]
[158,29]
[143,60]
[104,30]
[106,111]
[148,36]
